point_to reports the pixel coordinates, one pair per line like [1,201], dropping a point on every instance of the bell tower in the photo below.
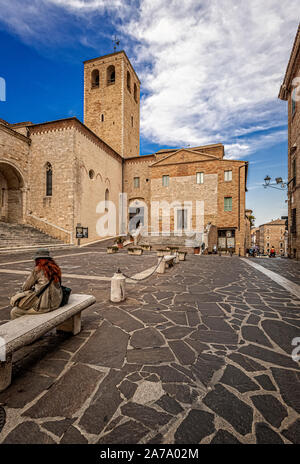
[112,102]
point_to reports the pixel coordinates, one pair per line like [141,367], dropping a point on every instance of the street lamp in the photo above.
[278,181]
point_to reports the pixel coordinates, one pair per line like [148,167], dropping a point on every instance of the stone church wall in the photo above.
[96,172]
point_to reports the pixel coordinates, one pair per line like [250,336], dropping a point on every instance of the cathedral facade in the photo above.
[60,175]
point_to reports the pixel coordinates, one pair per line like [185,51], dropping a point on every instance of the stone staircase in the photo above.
[24,236]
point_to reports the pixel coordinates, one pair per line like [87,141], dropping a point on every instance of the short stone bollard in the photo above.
[162,266]
[117,289]
[182,255]
[176,257]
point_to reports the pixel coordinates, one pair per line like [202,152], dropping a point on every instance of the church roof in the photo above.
[73,121]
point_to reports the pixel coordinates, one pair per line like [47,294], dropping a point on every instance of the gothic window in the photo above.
[131,121]
[48,180]
[135,92]
[106,199]
[111,75]
[95,79]
[128,81]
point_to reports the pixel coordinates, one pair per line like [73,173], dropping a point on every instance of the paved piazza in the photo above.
[201,354]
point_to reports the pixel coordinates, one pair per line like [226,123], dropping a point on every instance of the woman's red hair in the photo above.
[50,268]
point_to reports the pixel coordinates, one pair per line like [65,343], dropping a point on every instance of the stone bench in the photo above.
[166,261]
[27,329]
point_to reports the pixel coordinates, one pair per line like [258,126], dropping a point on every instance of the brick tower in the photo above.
[112,102]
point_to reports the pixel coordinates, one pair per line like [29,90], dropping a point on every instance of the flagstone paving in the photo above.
[201,354]
[288,268]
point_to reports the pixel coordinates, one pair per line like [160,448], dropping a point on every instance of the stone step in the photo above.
[22,236]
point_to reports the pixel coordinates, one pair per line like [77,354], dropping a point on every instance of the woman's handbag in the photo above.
[66,291]
[17,297]
[28,299]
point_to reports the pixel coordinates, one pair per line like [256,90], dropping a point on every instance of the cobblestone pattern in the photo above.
[201,354]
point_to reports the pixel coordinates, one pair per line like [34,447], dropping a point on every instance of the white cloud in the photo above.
[250,145]
[210,70]
[216,70]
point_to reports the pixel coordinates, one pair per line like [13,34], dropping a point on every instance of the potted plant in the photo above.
[196,250]
[119,242]
[112,249]
[171,248]
[135,251]
[146,247]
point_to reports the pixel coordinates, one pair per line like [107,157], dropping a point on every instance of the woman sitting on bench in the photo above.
[42,290]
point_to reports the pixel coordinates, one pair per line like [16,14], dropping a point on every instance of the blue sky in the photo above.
[210,72]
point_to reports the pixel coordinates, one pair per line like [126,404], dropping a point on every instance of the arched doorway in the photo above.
[11,194]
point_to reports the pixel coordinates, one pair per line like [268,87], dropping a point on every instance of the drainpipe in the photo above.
[122,203]
[239,200]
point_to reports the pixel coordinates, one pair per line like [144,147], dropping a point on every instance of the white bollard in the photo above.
[117,289]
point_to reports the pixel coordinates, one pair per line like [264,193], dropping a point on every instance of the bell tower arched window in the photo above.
[128,81]
[111,75]
[135,92]
[95,79]
[48,180]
